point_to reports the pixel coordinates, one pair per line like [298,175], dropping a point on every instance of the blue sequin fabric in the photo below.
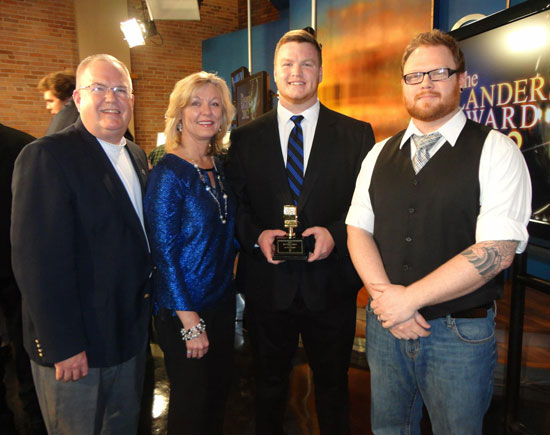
[192,249]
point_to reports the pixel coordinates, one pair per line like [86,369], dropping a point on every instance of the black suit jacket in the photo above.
[65,117]
[79,253]
[12,142]
[257,173]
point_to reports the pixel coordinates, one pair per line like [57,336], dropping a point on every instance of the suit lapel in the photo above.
[110,178]
[140,171]
[275,163]
[319,155]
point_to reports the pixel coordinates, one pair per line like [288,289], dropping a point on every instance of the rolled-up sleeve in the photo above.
[505,192]
[360,213]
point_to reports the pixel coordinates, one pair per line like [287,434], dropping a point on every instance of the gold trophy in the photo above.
[290,247]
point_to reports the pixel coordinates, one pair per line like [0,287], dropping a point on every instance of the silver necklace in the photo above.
[208,188]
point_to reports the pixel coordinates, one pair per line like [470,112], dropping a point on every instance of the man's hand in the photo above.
[73,368]
[266,242]
[393,305]
[411,329]
[324,243]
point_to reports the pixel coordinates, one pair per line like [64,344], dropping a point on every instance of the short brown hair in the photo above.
[60,83]
[181,97]
[299,36]
[433,38]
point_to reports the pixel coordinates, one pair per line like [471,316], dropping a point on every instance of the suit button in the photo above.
[411,210]
[408,239]
[406,267]
[146,295]
[415,182]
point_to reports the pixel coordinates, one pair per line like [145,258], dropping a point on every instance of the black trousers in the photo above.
[327,337]
[10,304]
[198,387]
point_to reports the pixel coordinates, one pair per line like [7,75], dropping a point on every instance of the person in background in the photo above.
[190,215]
[304,154]
[81,259]
[460,199]
[58,90]
[156,155]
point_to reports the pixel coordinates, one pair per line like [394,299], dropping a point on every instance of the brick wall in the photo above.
[36,37]
[263,12]
[159,67]
[39,36]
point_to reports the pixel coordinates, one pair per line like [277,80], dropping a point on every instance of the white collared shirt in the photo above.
[309,124]
[120,159]
[505,185]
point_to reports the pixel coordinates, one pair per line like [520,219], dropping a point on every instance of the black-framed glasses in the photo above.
[435,75]
[101,90]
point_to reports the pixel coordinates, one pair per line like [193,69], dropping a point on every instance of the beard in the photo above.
[428,113]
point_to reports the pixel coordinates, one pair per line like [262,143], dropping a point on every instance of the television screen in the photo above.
[508,88]
[236,76]
[252,97]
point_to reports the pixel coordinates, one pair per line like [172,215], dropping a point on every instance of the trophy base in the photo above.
[289,249]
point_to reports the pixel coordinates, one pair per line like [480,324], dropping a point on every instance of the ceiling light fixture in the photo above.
[137,31]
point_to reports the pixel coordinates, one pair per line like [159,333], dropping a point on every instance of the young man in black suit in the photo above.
[301,153]
[58,90]
[81,259]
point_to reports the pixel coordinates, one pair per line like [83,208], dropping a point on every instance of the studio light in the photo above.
[133,32]
[136,31]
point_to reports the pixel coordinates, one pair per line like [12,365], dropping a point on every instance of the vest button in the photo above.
[408,239]
[411,210]
[415,182]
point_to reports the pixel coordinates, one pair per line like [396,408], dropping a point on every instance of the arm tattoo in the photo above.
[488,257]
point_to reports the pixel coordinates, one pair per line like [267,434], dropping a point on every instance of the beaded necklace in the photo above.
[208,188]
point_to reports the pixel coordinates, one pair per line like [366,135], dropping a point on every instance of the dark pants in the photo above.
[327,337]
[198,387]
[10,304]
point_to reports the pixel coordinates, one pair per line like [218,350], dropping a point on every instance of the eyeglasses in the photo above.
[101,90]
[435,75]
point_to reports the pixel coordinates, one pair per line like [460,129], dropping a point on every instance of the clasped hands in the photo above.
[396,310]
[324,243]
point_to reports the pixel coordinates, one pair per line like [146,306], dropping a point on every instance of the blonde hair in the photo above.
[181,97]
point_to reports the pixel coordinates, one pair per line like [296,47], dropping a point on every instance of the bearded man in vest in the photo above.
[438,211]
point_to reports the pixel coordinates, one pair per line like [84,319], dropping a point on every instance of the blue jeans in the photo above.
[451,371]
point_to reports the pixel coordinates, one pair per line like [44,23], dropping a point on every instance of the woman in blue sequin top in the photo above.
[190,216]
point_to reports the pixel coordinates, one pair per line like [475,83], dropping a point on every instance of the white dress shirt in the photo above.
[118,155]
[309,123]
[505,185]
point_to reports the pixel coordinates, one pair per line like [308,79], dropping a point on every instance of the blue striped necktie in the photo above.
[295,158]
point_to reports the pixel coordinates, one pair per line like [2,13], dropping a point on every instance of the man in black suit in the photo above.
[81,259]
[314,298]
[12,142]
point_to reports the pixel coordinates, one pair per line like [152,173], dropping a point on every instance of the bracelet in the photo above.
[194,332]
